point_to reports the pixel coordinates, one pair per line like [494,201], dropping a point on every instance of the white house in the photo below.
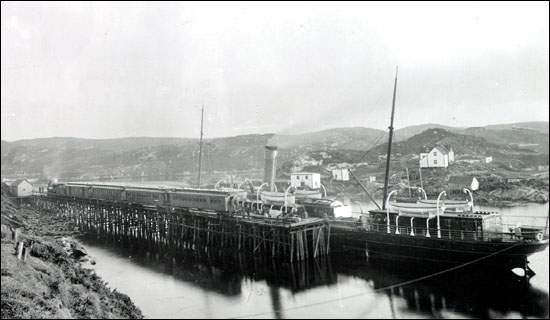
[372,178]
[438,157]
[20,188]
[302,179]
[340,174]
[488,159]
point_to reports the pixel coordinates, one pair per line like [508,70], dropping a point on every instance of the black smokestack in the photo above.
[270,169]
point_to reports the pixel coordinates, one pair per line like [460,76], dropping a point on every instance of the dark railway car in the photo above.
[106,192]
[76,190]
[202,199]
[146,196]
[215,200]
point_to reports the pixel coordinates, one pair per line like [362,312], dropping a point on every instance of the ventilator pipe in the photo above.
[423,191]
[286,192]
[428,227]
[443,193]
[466,190]
[397,224]
[388,210]
[258,195]
[324,190]
[246,181]
[412,226]
[217,183]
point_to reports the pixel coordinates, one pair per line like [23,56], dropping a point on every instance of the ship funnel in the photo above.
[270,169]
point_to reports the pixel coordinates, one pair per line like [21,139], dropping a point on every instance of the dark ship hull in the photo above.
[433,250]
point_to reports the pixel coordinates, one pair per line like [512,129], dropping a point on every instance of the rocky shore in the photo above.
[50,279]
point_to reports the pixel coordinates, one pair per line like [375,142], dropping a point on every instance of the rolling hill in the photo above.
[170,158]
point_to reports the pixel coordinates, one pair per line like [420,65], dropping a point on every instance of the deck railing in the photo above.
[523,234]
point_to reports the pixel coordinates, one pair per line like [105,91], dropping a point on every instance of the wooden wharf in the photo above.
[168,228]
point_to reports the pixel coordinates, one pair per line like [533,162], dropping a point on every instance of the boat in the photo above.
[437,231]
[277,198]
[301,194]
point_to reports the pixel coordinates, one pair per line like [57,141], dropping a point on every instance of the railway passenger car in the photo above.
[106,192]
[146,196]
[77,190]
[214,200]
[202,199]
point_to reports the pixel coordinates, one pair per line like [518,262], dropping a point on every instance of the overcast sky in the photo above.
[104,70]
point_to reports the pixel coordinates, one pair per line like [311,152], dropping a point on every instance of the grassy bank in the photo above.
[51,282]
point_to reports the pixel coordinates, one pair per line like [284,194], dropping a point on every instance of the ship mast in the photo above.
[200,148]
[387,176]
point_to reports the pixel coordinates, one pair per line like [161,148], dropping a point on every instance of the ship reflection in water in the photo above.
[190,286]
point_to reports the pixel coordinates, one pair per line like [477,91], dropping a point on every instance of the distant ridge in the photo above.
[170,157]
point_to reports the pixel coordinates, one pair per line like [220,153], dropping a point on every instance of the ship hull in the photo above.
[435,251]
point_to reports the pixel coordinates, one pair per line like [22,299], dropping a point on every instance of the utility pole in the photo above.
[200,148]
[386,179]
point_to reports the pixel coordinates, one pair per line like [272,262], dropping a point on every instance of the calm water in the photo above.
[343,287]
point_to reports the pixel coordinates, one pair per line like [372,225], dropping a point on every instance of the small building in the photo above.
[340,174]
[488,159]
[542,168]
[303,179]
[438,157]
[457,183]
[20,188]
[372,178]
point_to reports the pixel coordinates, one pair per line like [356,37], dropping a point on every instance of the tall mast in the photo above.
[386,178]
[200,148]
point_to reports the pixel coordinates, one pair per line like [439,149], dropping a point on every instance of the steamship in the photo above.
[438,232]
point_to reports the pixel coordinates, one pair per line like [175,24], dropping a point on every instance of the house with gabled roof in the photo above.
[438,157]
[19,188]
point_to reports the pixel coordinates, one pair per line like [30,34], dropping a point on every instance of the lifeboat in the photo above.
[278,198]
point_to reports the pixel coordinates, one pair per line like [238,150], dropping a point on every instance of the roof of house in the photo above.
[443,149]
[305,173]
[465,180]
[16,182]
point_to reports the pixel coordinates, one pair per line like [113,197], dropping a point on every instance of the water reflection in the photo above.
[470,291]
[220,284]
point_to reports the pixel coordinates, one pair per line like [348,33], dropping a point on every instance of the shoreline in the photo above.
[53,279]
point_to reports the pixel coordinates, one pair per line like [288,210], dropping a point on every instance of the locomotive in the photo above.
[202,199]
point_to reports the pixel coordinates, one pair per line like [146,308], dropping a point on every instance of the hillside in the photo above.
[177,158]
[407,132]
[461,143]
[52,281]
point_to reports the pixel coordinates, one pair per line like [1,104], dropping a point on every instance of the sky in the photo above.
[106,70]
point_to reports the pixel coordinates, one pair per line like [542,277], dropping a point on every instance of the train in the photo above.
[201,199]
[225,200]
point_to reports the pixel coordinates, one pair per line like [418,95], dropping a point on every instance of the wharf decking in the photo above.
[165,228]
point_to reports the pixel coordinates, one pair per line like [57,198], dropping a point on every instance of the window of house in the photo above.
[435,161]
[435,153]
[306,177]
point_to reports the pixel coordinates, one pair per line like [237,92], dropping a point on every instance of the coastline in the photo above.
[52,280]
